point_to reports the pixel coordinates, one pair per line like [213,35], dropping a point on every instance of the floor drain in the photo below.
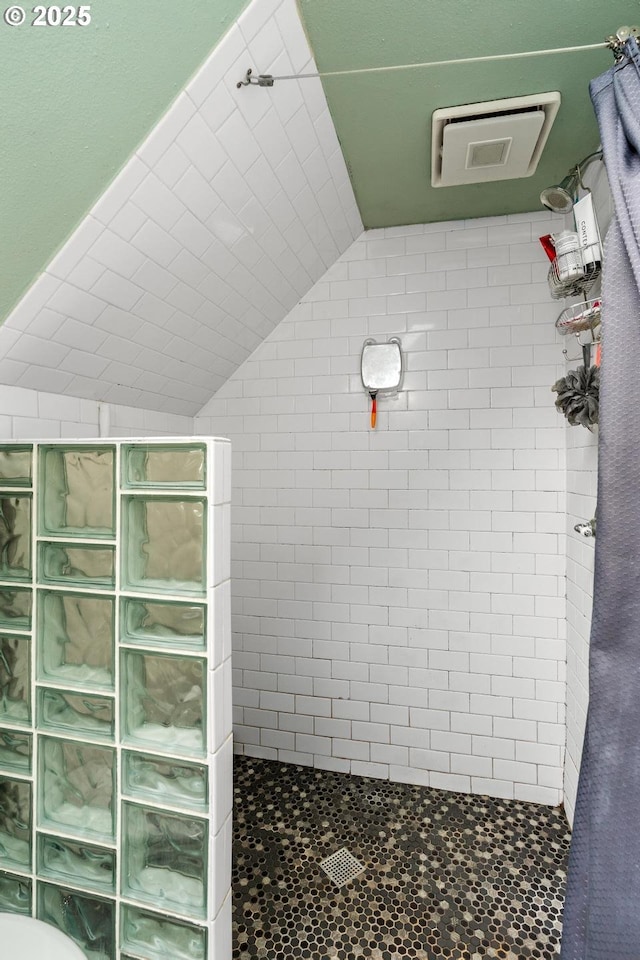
[341,867]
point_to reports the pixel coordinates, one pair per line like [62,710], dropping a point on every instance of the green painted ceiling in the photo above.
[76,102]
[384,120]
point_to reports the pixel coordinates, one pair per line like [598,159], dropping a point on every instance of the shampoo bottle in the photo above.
[588,234]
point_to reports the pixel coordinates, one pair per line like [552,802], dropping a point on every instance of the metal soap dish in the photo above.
[580,316]
[570,282]
[577,319]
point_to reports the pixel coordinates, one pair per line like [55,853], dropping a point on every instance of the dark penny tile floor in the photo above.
[446,875]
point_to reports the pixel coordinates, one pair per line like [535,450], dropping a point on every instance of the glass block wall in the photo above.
[115,694]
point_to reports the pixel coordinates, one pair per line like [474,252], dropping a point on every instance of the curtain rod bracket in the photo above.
[617,41]
[262,80]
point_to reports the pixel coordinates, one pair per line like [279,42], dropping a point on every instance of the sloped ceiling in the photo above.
[76,101]
[240,198]
[384,120]
[228,213]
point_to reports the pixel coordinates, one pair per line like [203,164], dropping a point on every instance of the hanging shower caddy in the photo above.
[571,273]
[576,265]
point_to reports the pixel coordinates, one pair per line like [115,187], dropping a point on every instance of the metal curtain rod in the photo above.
[612,43]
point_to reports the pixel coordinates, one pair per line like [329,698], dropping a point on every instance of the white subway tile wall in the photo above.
[399,601]
[226,215]
[33,414]
[582,457]
[582,481]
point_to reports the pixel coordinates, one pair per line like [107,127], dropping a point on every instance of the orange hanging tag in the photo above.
[374,411]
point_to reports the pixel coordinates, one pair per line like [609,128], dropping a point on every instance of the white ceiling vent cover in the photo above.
[498,140]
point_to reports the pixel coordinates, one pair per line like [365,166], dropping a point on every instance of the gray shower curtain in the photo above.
[602,910]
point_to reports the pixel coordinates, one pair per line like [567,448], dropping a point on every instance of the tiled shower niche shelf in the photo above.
[111,738]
